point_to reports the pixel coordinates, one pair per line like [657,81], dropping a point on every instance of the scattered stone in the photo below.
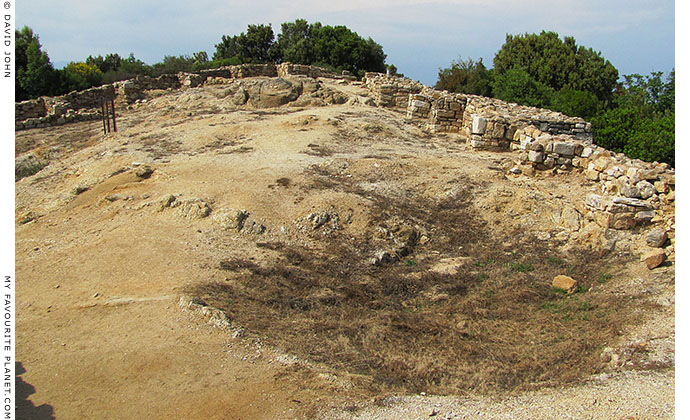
[654,258]
[449,266]
[194,208]
[169,201]
[656,238]
[564,282]
[382,258]
[144,171]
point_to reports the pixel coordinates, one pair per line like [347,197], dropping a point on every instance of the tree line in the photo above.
[333,47]
[635,116]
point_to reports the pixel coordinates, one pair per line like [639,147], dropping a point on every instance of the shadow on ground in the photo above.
[26,409]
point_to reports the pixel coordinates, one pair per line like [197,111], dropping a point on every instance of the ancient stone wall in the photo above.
[74,106]
[289,69]
[631,192]
[390,91]
[33,108]
[86,105]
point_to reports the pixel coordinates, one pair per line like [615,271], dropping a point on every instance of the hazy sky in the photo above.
[418,36]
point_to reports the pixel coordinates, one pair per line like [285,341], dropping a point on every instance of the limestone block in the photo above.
[656,238]
[587,152]
[661,187]
[615,171]
[478,125]
[646,189]
[592,175]
[564,149]
[420,104]
[518,135]
[643,217]
[632,202]
[535,156]
[498,131]
[595,202]
[629,191]
[600,164]
[442,113]
[623,221]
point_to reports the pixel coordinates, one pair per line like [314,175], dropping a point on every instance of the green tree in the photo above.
[254,46]
[575,103]
[80,76]
[557,64]
[516,85]
[341,49]
[35,73]
[173,64]
[336,48]
[111,62]
[295,42]
[642,122]
[466,77]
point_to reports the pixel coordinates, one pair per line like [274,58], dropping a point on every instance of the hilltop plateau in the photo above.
[278,248]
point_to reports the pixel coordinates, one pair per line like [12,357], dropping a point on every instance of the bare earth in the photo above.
[104,256]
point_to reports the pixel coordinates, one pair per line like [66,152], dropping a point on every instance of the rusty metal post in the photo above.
[112,102]
[103,114]
[107,115]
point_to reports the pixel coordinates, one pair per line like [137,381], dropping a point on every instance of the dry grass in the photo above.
[494,326]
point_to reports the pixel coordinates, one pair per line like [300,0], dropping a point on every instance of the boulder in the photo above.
[564,282]
[656,238]
[654,258]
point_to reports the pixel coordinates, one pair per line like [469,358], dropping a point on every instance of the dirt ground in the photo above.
[354,257]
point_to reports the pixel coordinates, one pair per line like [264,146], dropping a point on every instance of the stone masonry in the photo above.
[86,104]
[629,192]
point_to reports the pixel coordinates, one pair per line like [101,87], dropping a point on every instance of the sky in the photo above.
[419,36]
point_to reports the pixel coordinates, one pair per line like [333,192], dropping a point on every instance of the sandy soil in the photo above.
[100,332]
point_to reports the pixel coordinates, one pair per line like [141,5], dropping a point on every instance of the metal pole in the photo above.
[103,114]
[108,115]
[114,124]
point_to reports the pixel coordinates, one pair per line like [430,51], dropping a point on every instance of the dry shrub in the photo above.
[495,326]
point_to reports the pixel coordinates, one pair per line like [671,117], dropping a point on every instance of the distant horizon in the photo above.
[419,37]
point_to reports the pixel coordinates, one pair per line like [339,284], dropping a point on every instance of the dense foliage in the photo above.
[636,117]
[642,122]
[466,76]
[558,64]
[333,47]
[336,48]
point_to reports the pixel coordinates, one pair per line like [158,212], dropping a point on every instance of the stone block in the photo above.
[564,149]
[656,238]
[661,187]
[564,282]
[646,189]
[478,125]
[595,202]
[592,175]
[645,216]
[586,152]
[536,157]
[420,104]
[623,221]
[632,202]
[653,259]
